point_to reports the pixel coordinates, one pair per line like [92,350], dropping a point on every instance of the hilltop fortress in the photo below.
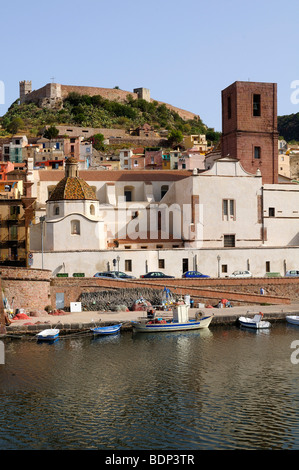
[52,95]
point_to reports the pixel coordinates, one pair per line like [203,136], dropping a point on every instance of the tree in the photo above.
[98,141]
[51,133]
[175,137]
[15,124]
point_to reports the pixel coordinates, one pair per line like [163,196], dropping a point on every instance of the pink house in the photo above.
[191,159]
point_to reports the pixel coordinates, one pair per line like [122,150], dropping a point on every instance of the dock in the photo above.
[82,321]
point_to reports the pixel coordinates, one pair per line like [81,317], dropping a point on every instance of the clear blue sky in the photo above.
[185,52]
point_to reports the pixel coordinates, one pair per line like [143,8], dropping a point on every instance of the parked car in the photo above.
[192,274]
[241,274]
[155,275]
[114,275]
[292,273]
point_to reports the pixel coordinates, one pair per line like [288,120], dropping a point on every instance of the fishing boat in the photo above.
[179,322]
[48,335]
[256,322]
[106,330]
[294,319]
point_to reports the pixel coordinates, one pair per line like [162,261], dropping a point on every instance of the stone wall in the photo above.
[26,288]
[208,291]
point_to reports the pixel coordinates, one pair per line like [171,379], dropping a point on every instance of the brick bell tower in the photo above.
[249,127]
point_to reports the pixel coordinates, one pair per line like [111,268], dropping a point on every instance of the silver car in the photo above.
[292,273]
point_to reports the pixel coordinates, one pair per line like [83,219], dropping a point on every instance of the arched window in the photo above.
[75,227]
[56,210]
[92,209]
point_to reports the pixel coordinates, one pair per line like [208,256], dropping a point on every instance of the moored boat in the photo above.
[179,322]
[294,319]
[106,330]
[159,325]
[48,335]
[256,322]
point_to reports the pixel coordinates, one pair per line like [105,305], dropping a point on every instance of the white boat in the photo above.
[294,319]
[256,322]
[179,322]
[48,335]
[158,325]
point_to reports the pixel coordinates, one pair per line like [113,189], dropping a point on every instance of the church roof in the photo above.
[72,188]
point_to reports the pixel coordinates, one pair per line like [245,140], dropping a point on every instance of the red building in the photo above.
[249,127]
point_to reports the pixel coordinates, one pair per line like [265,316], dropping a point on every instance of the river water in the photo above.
[220,388]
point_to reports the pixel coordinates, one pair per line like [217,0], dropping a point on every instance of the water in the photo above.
[221,388]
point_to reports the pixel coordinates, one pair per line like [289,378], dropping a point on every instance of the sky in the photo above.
[185,52]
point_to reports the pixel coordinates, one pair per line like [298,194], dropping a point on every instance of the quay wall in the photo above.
[34,289]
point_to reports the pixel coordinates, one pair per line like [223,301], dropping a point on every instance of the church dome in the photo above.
[71,187]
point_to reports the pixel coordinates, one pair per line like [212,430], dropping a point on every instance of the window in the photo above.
[271,211]
[92,209]
[56,210]
[256,105]
[128,265]
[228,209]
[229,241]
[224,268]
[75,227]
[185,264]
[164,190]
[128,193]
[229,107]
[161,263]
[257,152]
[268,266]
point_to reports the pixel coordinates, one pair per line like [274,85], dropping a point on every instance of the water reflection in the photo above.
[220,388]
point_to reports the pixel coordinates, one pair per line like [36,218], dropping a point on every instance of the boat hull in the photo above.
[172,326]
[106,330]
[48,335]
[248,323]
[294,319]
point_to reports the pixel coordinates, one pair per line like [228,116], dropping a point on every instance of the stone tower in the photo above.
[249,127]
[25,88]
[143,93]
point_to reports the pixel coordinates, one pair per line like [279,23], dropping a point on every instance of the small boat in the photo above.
[106,330]
[158,325]
[256,322]
[179,322]
[294,319]
[48,335]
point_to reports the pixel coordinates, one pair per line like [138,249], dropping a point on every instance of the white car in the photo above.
[292,273]
[241,274]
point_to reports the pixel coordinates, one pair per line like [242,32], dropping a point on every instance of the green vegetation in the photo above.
[288,127]
[95,111]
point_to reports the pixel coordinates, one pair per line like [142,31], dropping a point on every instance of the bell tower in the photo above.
[249,127]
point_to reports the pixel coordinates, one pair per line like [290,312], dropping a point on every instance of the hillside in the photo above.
[288,127]
[98,112]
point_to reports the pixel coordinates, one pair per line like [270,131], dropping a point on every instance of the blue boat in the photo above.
[48,335]
[106,330]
